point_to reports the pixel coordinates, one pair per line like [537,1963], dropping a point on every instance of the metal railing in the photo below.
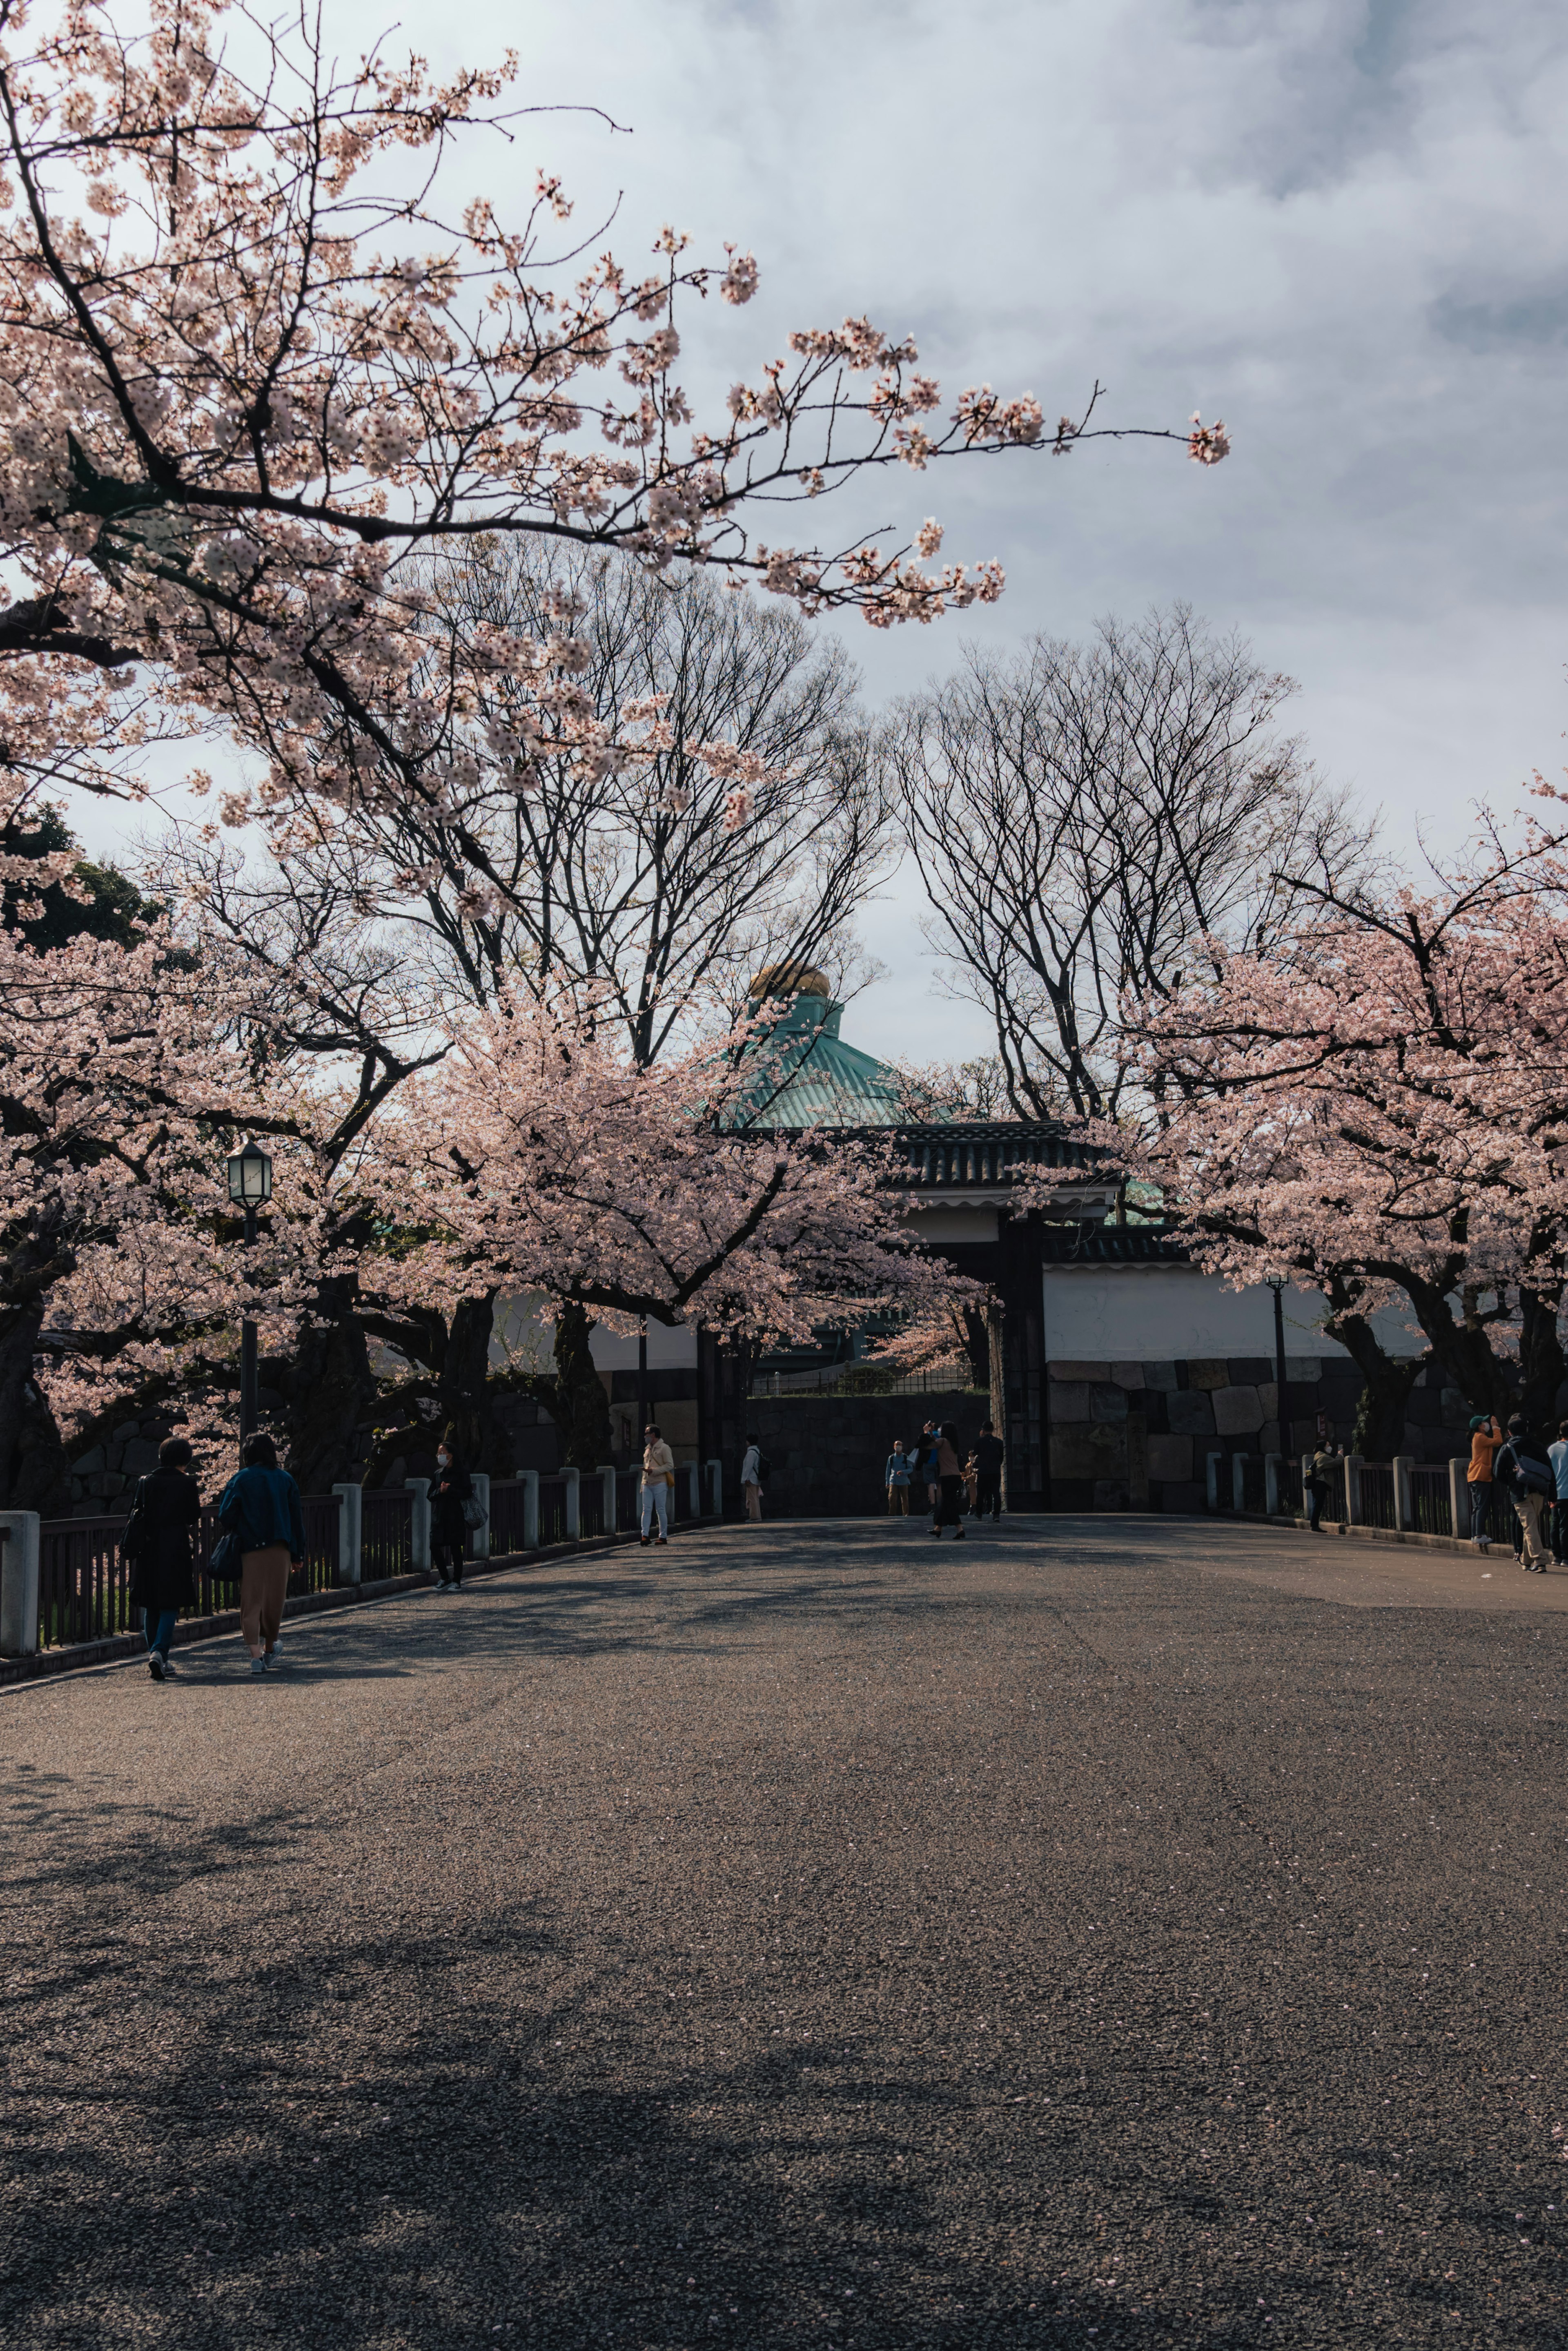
[1431,1510]
[1378,1508]
[386,1534]
[85,1578]
[868,1378]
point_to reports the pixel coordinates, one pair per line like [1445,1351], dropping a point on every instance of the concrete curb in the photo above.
[1357,1535]
[118,1647]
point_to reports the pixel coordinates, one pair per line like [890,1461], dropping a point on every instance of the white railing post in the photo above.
[1354,1513]
[1403,1506]
[480,1482]
[1273,1502]
[349,1526]
[420,1526]
[574,1503]
[530,1510]
[1211,1479]
[18,1584]
[1459,1496]
[605,1471]
[1237,1481]
[718,1470]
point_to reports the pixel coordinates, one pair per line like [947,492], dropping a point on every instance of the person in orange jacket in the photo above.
[1486,1436]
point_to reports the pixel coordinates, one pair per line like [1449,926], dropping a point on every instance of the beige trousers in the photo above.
[1529,1511]
[264,1580]
[753,1495]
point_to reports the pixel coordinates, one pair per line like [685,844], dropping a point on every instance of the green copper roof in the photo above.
[816,1080]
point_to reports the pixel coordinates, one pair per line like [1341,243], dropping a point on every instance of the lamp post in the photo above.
[250,1187]
[1281,1402]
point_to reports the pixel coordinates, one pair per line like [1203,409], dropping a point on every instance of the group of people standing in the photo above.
[934,1465]
[1530,1473]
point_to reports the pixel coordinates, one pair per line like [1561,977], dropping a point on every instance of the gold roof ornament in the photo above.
[789,979]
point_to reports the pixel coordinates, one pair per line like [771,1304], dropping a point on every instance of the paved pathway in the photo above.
[1109,1931]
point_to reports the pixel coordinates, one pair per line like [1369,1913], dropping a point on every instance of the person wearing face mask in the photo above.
[449,1530]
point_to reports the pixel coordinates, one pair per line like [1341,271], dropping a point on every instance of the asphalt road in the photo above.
[1106,1931]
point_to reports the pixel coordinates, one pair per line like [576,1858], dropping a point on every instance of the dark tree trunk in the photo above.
[586,1438]
[1464,1349]
[1388,1379]
[33,1472]
[1543,1369]
[328,1390]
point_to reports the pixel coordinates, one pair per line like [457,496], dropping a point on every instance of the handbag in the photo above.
[473,1511]
[227,1561]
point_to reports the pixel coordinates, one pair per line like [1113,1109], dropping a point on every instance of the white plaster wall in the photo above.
[524,1333]
[1161,1313]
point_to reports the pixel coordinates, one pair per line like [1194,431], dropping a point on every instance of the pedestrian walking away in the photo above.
[1486,1436]
[658,1483]
[168,1505]
[753,1475]
[949,1511]
[896,1478]
[1524,1473]
[925,1473]
[989,1455]
[449,1521]
[1558,1455]
[261,1507]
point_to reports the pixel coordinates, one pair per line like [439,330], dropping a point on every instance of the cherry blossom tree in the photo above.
[248,366]
[1378,1107]
[541,1153]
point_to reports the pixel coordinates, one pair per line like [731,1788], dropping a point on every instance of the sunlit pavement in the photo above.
[1111,1929]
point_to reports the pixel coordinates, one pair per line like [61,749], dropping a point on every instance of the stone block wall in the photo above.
[828,1452]
[1135,1436]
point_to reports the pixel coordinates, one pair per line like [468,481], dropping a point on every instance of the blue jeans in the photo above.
[656,1498]
[160,1631]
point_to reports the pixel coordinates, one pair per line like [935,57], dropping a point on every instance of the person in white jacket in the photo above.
[658,1483]
[752,1479]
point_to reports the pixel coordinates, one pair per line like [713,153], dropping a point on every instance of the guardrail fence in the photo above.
[1415,1497]
[65,1581]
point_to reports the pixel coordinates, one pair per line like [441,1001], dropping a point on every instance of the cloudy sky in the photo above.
[1338,223]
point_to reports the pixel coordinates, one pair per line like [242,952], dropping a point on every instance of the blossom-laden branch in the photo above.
[248,364]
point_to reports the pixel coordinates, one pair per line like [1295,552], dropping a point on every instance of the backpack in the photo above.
[765,1468]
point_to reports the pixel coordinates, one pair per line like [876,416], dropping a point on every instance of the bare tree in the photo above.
[1086,818]
[650,890]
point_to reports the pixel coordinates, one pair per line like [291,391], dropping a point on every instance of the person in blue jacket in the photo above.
[262,1507]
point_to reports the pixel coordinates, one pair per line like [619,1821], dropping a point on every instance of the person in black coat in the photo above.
[449,1529]
[162,1582]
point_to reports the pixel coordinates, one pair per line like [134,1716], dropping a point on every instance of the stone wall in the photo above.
[828,1452]
[1135,1437]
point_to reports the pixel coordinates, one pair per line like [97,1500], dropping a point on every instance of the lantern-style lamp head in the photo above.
[250,1176]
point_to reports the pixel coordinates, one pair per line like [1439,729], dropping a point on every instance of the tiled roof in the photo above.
[1100,1244]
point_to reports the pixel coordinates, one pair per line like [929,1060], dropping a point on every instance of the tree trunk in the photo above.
[328,1390]
[34,1471]
[586,1436]
[1379,1431]
[1464,1349]
[1543,1369]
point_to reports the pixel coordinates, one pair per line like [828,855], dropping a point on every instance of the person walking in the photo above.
[925,1471]
[896,1478]
[752,1479]
[448,1528]
[1558,1455]
[168,1505]
[1521,1468]
[989,1455]
[949,1511]
[261,1506]
[1324,1466]
[658,1481]
[1486,1436]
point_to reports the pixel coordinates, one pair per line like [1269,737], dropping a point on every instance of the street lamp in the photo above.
[1281,1402]
[250,1188]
